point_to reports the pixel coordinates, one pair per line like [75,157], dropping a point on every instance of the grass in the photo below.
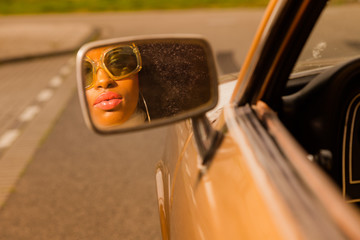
[62,6]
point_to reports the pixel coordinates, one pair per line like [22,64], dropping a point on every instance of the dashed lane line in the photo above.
[29,113]
[56,82]
[10,135]
[65,70]
[13,161]
[45,95]
[8,138]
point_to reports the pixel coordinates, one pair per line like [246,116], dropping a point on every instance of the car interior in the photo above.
[320,109]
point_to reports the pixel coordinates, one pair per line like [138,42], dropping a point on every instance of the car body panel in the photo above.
[214,202]
[192,198]
[237,171]
[197,202]
[237,195]
[346,217]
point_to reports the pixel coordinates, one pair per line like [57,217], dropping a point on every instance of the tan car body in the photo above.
[236,197]
[214,206]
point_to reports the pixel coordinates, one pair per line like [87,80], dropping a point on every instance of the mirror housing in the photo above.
[177,80]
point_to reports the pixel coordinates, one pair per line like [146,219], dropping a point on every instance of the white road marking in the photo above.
[9,137]
[45,95]
[10,167]
[65,70]
[71,62]
[29,113]
[56,81]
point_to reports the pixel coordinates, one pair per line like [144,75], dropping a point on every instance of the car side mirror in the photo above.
[135,83]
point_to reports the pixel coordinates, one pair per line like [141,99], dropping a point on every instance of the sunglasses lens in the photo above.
[121,61]
[87,74]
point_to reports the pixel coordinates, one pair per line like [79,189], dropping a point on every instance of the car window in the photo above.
[335,38]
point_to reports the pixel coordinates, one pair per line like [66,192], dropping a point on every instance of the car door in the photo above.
[258,184]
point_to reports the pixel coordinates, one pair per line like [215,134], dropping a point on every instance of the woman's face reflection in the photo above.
[111,102]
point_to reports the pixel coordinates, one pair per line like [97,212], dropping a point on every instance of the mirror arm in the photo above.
[207,138]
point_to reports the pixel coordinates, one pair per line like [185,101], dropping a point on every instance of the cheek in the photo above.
[130,90]
[90,96]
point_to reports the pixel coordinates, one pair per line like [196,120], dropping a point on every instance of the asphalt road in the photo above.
[79,185]
[83,186]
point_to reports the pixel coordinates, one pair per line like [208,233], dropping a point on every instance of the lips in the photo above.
[108,101]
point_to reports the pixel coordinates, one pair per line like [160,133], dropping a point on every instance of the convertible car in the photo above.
[278,157]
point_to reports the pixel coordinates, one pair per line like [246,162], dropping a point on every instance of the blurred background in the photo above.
[53,6]
[59,180]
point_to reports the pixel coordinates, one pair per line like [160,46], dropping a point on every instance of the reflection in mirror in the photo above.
[111,80]
[128,84]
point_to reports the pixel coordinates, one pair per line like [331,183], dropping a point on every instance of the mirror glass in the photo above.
[131,84]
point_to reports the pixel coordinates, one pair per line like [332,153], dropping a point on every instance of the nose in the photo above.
[103,80]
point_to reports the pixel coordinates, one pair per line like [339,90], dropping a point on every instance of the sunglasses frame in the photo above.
[96,65]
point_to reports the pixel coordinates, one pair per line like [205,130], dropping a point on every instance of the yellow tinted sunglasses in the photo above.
[119,62]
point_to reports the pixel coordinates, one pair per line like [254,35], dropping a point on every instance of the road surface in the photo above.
[78,185]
